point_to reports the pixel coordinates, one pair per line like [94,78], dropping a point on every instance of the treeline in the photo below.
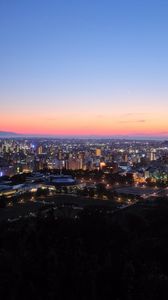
[122,256]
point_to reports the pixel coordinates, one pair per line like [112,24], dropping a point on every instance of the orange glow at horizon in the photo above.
[83,129]
[85,123]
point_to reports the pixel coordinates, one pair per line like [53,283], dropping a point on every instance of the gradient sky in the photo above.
[84,67]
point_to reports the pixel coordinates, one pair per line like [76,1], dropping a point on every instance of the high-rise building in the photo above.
[98,152]
[74,164]
[151,155]
[125,157]
[40,150]
[60,155]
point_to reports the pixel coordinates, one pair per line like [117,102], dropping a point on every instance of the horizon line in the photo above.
[7,134]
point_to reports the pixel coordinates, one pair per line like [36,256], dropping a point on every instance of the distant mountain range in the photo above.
[7,133]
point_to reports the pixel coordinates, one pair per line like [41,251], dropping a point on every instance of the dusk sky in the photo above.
[90,67]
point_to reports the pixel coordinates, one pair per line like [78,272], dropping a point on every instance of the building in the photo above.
[98,152]
[39,150]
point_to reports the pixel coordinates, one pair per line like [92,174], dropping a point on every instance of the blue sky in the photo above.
[72,58]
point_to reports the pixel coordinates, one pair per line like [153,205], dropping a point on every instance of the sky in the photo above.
[84,67]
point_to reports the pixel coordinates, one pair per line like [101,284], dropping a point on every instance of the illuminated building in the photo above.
[151,155]
[98,152]
[39,150]
[60,155]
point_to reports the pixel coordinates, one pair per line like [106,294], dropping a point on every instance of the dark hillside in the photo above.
[96,256]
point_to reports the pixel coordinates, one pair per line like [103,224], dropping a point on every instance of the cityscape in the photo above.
[116,170]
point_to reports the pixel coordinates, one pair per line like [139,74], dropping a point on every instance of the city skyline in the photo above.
[84,69]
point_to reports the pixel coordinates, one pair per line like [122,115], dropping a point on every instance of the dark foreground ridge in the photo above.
[116,256]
